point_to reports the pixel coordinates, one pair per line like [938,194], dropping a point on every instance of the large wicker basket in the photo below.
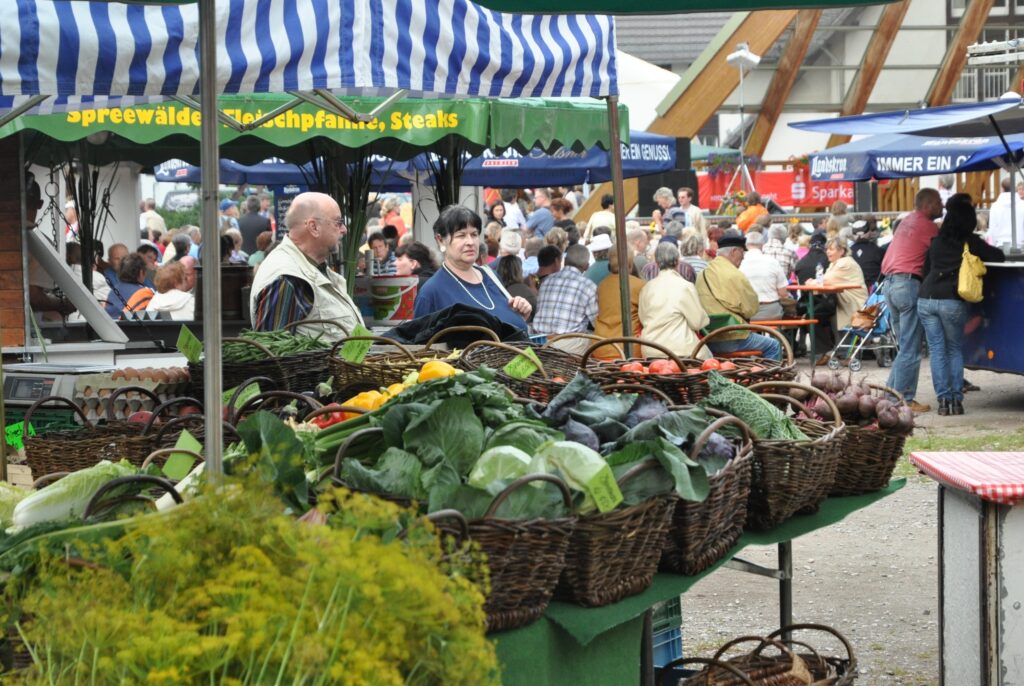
[870,454]
[760,668]
[752,370]
[556,370]
[682,388]
[702,533]
[299,372]
[74,449]
[615,554]
[525,558]
[825,669]
[790,476]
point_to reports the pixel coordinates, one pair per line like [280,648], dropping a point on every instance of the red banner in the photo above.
[789,188]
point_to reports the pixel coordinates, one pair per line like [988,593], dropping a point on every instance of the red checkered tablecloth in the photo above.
[996,477]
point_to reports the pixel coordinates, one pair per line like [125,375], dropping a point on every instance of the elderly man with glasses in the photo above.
[294,281]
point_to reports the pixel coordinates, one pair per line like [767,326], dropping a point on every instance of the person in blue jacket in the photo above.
[460,279]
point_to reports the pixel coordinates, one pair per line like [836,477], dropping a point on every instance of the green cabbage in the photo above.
[584,470]
[10,496]
[499,465]
[67,498]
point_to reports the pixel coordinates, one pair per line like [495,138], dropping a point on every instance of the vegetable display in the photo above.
[764,419]
[280,343]
[862,404]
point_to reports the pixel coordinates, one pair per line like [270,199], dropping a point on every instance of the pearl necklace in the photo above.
[473,297]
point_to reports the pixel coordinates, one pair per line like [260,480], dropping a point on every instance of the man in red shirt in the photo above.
[903,269]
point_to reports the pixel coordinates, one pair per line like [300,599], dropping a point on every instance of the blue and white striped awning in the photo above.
[78,49]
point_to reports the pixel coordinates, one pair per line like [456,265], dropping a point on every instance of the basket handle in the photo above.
[819,627]
[836,419]
[245,384]
[763,643]
[754,328]
[637,388]
[632,340]
[453,515]
[705,435]
[347,443]
[298,322]
[229,429]
[581,334]
[456,329]
[259,397]
[124,389]
[504,346]
[47,479]
[97,498]
[890,391]
[169,451]
[158,410]
[523,480]
[52,399]
[683,661]
[378,339]
[789,400]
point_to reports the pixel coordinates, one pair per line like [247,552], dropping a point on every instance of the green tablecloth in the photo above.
[572,645]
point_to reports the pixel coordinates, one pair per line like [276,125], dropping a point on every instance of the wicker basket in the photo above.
[752,370]
[826,670]
[702,533]
[557,368]
[790,476]
[525,557]
[299,372]
[683,388]
[667,671]
[869,456]
[267,399]
[380,370]
[761,669]
[75,449]
[615,554]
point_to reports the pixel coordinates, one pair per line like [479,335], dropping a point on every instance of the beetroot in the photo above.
[847,403]
[889,418]
[906,420]
[867,406]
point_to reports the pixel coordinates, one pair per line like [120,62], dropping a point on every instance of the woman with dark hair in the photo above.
[496,213]
[941,310]
[459,280]
[130,295]
[510,273]
[415,259]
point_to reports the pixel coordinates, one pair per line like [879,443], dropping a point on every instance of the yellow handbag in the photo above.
[971,271]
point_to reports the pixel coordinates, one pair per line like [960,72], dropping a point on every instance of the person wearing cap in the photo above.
[599,248]
[294,282]
[510,243]
[903,270]
[228,214]
[724,290]
[766,276]
[865,251]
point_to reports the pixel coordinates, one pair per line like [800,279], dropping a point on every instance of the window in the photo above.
[999,8]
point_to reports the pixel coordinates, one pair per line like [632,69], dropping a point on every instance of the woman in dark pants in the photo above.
[941,310]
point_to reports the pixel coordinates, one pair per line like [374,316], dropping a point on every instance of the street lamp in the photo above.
[744,60]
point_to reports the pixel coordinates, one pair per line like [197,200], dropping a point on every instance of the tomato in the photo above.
[664,367]
[711,364]
[636,367]
[727,365]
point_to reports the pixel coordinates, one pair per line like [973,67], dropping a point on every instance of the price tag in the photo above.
[355,351]
[190,346]
[523,365]
[604,490]
[178,465]
[249,391]
[12,434]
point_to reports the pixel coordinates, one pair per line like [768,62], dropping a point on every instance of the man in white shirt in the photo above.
[1000,228]
[766,276]
[603,217]
[694,215]
[514,216]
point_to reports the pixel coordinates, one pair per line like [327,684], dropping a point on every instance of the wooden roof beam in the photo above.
[875,54]
[786,73]
[971,24]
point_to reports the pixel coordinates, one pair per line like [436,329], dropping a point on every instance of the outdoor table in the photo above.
[602,646]
[981,555]
[811,290]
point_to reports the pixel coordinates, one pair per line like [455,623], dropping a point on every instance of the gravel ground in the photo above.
[873,575]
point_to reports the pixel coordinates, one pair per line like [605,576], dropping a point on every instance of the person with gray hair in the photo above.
[775,247]
[670,309]
[726,294]
[674,229]
[639,240]
[567,302]
[766,276]
[666,201]
[691,249]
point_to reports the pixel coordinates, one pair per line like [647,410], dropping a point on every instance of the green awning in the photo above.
[662,6]
[150,134]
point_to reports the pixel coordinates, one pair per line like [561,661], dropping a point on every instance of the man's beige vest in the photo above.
[330,297]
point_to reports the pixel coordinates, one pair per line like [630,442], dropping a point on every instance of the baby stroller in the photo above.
[871,330]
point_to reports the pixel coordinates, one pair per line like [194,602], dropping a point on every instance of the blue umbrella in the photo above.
[895,156]
[386,174]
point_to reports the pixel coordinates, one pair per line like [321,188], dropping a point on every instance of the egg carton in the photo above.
[92,390]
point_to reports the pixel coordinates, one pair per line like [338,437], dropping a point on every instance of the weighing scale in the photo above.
[25,383]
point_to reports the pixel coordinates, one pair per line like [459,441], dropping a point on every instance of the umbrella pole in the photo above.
[615,156]
[210,164]
[1014,171]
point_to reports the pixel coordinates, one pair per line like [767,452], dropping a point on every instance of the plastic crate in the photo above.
[667,615]
[668,646]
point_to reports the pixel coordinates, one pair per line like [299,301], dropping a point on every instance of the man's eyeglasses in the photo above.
[337,222]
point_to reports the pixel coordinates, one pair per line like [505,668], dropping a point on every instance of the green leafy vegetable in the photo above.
[10,496]
[67,498]
[396,473]
[764,419]
[276,454]
[449,431]
[497,466]
[527,435]
[585,471]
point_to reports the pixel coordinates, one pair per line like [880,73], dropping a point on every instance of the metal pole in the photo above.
[209,162]
[615,156]
[786,584]
[743,138]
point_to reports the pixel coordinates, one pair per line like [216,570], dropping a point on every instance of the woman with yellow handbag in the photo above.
[952,278]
